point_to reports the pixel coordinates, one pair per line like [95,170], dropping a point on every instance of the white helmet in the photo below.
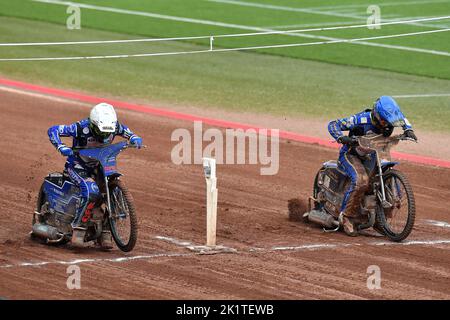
[103,120]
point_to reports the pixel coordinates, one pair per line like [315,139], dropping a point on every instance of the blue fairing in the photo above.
[62,198]
[106,156]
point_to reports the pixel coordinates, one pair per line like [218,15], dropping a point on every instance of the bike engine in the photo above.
[331,183]
[63,221]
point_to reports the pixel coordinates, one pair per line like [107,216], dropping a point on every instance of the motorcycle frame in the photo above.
[379,172]
[108,165]
[106,155]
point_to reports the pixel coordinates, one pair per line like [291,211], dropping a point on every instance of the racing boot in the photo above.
[105,240]
[347,225]
[351,214]
[78,234]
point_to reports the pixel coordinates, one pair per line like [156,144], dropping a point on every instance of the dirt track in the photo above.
[170,202]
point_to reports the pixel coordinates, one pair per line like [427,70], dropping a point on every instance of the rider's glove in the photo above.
[347,140]
[137,141]
[65,151]
[409,133]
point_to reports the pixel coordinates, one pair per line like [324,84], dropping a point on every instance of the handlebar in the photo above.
[388,139]
[128,145]
[379,143]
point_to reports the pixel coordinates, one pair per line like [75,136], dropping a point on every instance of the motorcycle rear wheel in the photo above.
[39,203]
[395,226]
[316,190]
[41,199]
[123,220]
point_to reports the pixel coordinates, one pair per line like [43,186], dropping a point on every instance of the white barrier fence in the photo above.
[213,37]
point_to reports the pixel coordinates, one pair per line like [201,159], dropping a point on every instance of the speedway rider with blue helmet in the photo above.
[100,128]
[381,119]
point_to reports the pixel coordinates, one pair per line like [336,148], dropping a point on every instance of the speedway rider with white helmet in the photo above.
[100,128]
[381,119]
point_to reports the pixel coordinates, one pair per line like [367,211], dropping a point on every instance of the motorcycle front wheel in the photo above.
[123,219]
[397,222]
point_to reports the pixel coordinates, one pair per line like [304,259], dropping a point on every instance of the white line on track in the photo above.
[313,247]
[188,245]
[425,95]
[436,223]
[383,4]
[41,96]
[234,26]
[276,32]
[196,248]
[412,243]
[181,243]
[304,10]
[317,246]
[142,13]
[303,25]
[324,24]
[352,22]
[80,261]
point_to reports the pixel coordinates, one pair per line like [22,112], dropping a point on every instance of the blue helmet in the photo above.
[386,112]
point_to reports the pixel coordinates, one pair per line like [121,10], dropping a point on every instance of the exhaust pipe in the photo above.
[46,231]
[324,219]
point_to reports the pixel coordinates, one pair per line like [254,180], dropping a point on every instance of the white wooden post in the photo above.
[209,168]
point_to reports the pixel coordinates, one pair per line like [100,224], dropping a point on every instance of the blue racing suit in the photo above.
[80,169]
[349,161]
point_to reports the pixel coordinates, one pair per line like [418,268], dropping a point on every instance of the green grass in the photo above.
[234,81]
[346,54]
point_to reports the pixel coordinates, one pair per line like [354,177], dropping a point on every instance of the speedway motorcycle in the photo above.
[388,206]
[58,199]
